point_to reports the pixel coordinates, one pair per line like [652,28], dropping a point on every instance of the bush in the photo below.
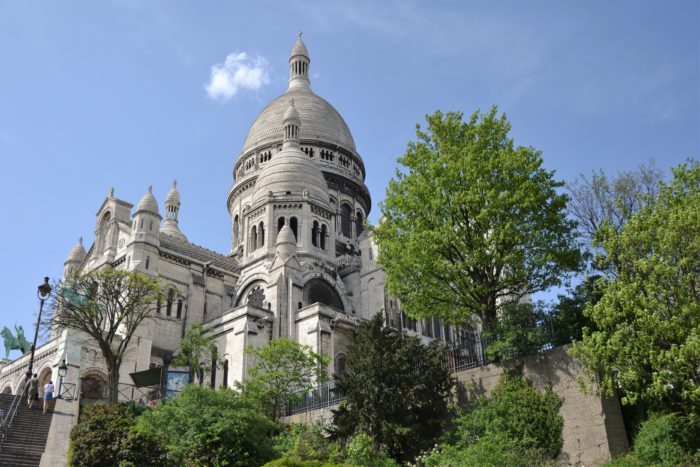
[103,437]
[518,412]
[202,426]
[361,453]
[670,439]
[495,450]
[286,462]
[306,442]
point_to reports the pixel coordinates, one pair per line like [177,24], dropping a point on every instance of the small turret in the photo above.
[147,219]
[75,257]
[172,208]
[291,124]
[286,242]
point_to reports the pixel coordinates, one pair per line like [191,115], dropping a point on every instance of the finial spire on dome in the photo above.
[299,65]
[291,124]
[172,208]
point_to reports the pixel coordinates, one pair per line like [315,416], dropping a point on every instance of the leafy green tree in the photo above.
[567,315]
[203,426]
[522,329]
[646,342]
[307,442]
[108,305]
[282,371]
[397,391]
[197,351]
[472,222]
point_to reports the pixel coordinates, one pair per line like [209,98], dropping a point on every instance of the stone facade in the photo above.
[302,264]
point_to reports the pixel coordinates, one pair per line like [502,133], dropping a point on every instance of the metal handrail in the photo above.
[6,422]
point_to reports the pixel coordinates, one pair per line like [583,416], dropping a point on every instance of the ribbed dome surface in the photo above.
[319,121]
[148,203]
[77,254]
[292,171]
[299,49]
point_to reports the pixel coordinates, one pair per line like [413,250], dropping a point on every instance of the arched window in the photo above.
[169,303]
[280,224]
[345,214]
[314,234]
[359,219]
[261,234]
[225,381]
[339,364]
[324,233]
[236,228]
[103,230]
[253,238]
[320,291]
[293,226]
[179,309]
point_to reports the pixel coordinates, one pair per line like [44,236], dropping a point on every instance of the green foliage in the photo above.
[202,426]
[283,370]
[568,315]
[515,426]
[197,351]
[108,305]
[519,412]
[472,222]
[286,462]
[646,342]
[361,453]
[396,391]
[307,442]
[522,329]
[104,437]
[669,440]
[496,450]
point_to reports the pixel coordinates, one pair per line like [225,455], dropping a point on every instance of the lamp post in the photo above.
[43,292]
[62,370]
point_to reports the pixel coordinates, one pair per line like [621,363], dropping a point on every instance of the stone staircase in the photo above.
[27,436]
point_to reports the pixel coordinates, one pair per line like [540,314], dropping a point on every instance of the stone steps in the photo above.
[28,434]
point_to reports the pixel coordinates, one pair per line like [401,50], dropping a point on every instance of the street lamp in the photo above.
[62,371]
[43,292]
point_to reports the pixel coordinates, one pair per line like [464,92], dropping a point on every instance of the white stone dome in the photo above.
[148,203]
[173,196]
[291,171]
[78,253]
[319,121]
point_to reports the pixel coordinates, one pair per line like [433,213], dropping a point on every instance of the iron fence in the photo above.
[317,398]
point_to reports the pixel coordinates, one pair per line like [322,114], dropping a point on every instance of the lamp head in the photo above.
[63,369]
[44,289]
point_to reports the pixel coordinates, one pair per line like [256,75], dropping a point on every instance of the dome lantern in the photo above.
[299,65]
[172,208]
[291,124]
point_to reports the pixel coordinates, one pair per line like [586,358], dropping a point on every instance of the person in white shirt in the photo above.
[48,394]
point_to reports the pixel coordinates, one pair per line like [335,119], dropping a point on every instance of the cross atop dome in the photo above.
[299,65]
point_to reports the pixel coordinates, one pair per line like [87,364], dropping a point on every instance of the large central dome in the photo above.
[319,121]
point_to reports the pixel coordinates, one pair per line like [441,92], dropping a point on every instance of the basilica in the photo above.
[302,263]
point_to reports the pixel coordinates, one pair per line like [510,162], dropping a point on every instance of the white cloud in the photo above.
[238,72]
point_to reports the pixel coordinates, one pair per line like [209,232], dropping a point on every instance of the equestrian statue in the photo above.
[11,342]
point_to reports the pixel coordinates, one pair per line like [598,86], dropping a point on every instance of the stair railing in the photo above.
[6,421]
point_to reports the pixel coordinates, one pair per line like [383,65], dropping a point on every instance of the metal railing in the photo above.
[68,391]
[6,421]
[142,395]
[319,397]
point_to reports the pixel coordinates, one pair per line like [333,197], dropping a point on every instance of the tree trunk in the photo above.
[112,383]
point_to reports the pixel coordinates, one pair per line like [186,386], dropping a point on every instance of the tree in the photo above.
[197,351]
[396,389]
[568,315]
[600,200]
[203,426]
[646,342]
[282,372]
[108,305]
[472,222]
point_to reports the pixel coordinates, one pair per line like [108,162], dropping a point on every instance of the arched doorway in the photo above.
[320,291]
[93,386]
[6,390]
[44,378]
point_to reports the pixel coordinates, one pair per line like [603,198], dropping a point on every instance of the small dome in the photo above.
[290,171]
[77,254]
[148,203]
[173,195]
[291,113]
[286,242]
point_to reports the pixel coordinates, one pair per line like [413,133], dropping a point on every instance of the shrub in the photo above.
[361,453]
[202,426]
[103,435]
[669,439]
[496,450]
[518,412]
[306,442]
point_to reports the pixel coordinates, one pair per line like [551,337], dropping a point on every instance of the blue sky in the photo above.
[114,93]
